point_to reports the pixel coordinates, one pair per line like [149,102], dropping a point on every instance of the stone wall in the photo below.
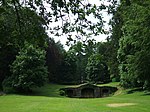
[89,91]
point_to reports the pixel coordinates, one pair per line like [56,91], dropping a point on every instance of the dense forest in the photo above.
[29,57]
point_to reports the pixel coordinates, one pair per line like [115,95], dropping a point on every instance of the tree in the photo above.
[12,37]
[54,57]
[108,51]
[28,70]
[97,70]
[63,10]
[82,51]
[28,20]
[81,60]
[112,43]
[134,45]
[67,70]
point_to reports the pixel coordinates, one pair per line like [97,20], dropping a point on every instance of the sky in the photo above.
[101,37]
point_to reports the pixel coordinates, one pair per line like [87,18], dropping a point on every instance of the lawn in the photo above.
[47,99]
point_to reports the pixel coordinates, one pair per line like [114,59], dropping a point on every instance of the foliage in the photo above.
[28,70]
[67,70]
[133,53]
[62,93]
[30,28]
[78,50]
[13,34]
[83,51]
[26,20]
[112,44]
[63,10]
[7,48]
[108,51]
[96,69]
[54,58]
[6,85]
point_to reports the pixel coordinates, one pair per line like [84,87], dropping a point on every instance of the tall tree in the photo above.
[54,57]
[97,70]
[112,44]
[67,70]
[133,53]
[12,37]
[28,70]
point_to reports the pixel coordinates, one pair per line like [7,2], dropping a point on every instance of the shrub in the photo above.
[62,92]
[28,70]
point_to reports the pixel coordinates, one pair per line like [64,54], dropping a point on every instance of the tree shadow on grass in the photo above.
[134,90]
[145,92]
[48,90]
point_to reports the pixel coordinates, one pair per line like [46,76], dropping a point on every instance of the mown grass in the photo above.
[47,99]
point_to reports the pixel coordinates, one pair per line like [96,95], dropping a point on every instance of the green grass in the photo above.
[115,84]
[47,99]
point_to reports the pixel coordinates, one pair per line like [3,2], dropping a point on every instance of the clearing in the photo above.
[47,99]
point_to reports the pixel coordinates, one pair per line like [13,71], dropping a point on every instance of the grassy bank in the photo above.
[47,99]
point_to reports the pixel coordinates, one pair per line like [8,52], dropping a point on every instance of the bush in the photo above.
[7,85]
[28,70]
[62,92]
